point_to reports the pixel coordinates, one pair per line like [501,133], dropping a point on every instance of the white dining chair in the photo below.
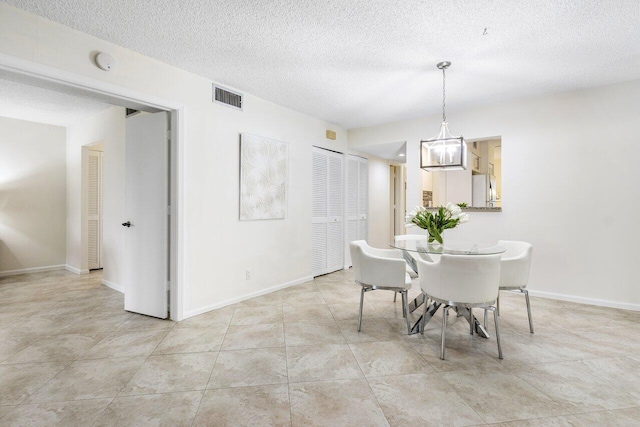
[385,269]
[514,271]
[402,238]
[405,237]
[464,282]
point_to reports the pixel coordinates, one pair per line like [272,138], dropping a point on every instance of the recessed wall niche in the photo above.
[479,186]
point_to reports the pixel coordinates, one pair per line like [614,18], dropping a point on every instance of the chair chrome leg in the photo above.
[526,296]
[395,295]
[495,318]
[405,302]
[445,313]
[423,321]
[362,291]
[486,318]
[498,304]
[471,323]
[405,297]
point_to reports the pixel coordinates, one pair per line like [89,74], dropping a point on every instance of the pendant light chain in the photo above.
[444,115]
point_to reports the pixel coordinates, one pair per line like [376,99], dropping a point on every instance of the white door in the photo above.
[327,220]
[319,239]
[357,200]
[94,209]
[335,258]
[146,236]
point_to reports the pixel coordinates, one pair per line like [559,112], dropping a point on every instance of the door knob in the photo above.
[126,224]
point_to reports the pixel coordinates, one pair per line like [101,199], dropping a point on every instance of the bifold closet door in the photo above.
[357,200]
[327,218]
[94,209]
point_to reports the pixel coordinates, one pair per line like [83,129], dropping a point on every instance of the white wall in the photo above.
[457,187]
[217,246]
[379,209]
[570,175]
[32,195]
[108,129]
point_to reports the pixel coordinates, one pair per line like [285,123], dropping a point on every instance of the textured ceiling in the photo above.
[24,102]
[363,62]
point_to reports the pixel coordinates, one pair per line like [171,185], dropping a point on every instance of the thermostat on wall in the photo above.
[105,61]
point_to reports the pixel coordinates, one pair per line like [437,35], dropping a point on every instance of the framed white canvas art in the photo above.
[264,171]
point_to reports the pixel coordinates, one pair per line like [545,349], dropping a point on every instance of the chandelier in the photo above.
[445,151]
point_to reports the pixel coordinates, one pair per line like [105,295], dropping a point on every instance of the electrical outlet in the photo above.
[248,274]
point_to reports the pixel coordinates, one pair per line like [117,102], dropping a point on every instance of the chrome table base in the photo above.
[434,306]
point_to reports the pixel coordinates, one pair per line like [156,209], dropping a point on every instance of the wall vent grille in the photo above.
[227,97]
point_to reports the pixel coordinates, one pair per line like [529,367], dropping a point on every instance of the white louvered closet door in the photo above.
[327,219]
[335,259]
[319,241]
[94,209]
[357,200]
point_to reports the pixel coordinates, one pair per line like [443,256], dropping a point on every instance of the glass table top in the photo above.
[450,247]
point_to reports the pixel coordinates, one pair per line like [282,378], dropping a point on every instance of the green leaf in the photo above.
[436,234]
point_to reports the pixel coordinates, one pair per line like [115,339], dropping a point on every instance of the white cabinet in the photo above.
[327,212]
[357,200]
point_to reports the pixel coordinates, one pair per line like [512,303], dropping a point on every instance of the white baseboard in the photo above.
[32,270]
[583,300]
[245,297]
[75,270]
[113,286]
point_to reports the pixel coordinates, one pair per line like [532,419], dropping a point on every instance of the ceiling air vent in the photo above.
[227,97]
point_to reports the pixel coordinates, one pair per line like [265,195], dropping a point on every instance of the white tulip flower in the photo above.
[454,209]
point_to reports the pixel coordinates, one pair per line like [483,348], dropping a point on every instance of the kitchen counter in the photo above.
[472,209]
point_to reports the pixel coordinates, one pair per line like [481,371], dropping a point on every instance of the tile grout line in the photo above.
[103,411]
[48,362]
[206,387]
[560,403]
[508,369]
[145,361]
[366,380]
[286,361]
[362,372]
[542,392]
[360,368]
[439,375]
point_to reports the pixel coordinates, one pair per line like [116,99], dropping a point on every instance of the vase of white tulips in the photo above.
[442,218]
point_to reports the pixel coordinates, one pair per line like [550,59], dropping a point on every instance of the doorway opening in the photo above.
[94,203]
[397,197]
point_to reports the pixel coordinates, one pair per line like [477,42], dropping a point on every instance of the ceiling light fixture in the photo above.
[445,151]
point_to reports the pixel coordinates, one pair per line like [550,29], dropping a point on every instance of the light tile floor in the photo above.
[70,355]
